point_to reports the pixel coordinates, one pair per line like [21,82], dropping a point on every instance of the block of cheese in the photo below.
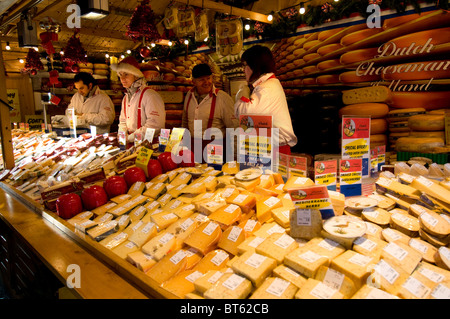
[214,260]
[388,276]
[136,189]
[171,204]
[254,266]
[208,207]
[231,238]
[383,202]
[176,191]
[441,291]
[224,181]
[141,260]
[295,182]
[184,210]
[249,244]
[103,209]
[269,228]
[205,237]
[156,190]
[397,187]
[195,188]
[160,245]
[122,250]
[433,272]
[103,230]
[265,206]
[286,199]
[246,201]
[81,217]
[277,246]
[427,250]
[226,215]
[315,289]
[402,202]
[182,228]
[282,216]
[133,226]
[426,122]
[416,286]
[275,288]
[230,168]
[393,235]
[193,257]
[401,254]
[180,179]
[128,205]
[354,265]
[442,257]
[266,181]
[161,178]
[182,283]
[151,206]
[163,219]
[419,144]
[373,229]
[229,286]
[370,292]
[305,261]
[249,226]
[247,185]
[120,198]
[433,223]
[290,275]
[114,240]
[338,201]
[336,280]
[143,234]
[305,223]
[170,265]
[370,94]
[369,245]
[206,281]
[137,213]
[202,198]
[277,188]
[405,223]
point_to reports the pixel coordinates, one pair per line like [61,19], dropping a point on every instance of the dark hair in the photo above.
[260,59]
[200,70]
[85,77]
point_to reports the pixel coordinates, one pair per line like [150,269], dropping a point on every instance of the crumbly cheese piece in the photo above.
[143,234]
[229,286]
[403,255]
[306,223]
[369,245]
[205,237]
[393,235]
[336,280]
[141,260]
[275,288]
[265,206]
[427,250]
[122,250]
[376,215]
[214,260]
[182,283]
[354,265]
[159,245]
[231,238]
[254,267]
[277,246]
[370,292]
[290,275]
[315,289]
[169,266]
[388,276]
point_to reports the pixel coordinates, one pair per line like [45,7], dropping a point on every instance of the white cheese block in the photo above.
[290,275]
[354,265]
[277,246]
[388,276]
[315,289]
[370,292]
[275,288]
[160,245]
[229,286]
[143,234]
[254,267]
[403,255]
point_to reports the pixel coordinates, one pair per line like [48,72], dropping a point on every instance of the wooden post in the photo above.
[5,122]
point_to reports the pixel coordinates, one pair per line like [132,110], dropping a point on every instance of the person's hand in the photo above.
[131,138]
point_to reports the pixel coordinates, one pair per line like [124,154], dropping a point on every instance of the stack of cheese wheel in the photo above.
[86,67]
[369,102]
[427,134]
[398,123]
[101,69]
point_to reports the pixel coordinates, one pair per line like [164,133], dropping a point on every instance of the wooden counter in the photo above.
[57,250]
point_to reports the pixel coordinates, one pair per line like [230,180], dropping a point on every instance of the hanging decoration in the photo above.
[377,2]
[51,28]
[229,34]
[74,52]
[186,18]
[326,7]
[171,17]
[143,24]
[201,26]
[33,62]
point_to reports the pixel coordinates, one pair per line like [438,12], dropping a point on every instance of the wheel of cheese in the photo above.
[151,75]
[290,65]
[359,35]
[439,134]
[401,126]
[298,52]
[395,136]
[101,72]
[328,64]
[328,79]
[378,139]
[426,122]
[310,69]
[91,71]
[309,81]
[87,65]
[401,115]
[310,44]
[298,82]
[396,21]
[352,77]
[298,72]
[329,48]
[437,36]
[300,41]
[290,57]
[102,66]
[311,56]
[168,76]
[360,55]
[378,126]
[425,70]
[439,111]
[430,100]
[323,35]
[374,110]
[418,144]
[298,62]
[169,65]
[312,36]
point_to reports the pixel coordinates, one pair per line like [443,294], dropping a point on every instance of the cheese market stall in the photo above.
[147,222]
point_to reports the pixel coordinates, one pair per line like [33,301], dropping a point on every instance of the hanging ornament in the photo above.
[33,62]
[74,51]
[143,24]
[377,2]
[53,77]
[291,12]
[259,27]
[326,7]
[144,52]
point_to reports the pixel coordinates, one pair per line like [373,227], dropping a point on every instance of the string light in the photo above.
[269,17]
[302,9]
[61,52]
[122,56]
[170,43]
[21,61]
[152,45]
[186,41]
[128,51]
[7,46]
[106,55]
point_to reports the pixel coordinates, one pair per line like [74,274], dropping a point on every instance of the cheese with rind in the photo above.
[305,223]
[290,275]
[229,286]
[315,289]
[275,288]
[253,266]
[160,245]
[214,260]
[182,283]
[277,246]
[402,255]
[169,266]
[205,237]
[354,265]
[141,260]
[336,280]
[231,238]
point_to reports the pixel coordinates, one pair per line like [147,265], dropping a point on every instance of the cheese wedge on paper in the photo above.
[143,234]
[123,249]
[140,260]
[214,260]
[226,215]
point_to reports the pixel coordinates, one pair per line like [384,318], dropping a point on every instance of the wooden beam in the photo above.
[223,8]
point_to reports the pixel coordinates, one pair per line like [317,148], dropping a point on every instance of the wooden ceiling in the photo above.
[98,37]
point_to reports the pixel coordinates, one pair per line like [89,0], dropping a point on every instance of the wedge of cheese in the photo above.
[315,289]
[163,219]
[290,275]
[103,209]
[176,191]
[427,250]
[122,250]
[248,185]
[434,224]
[161,178]
[226,215]
[246,201]
[250,226]
[160,245]
[143,234]
[265,206]
[182,228]
[277,246]
[266,181]
[195,188]
[286,200]
[208,207]
[393,235]
[229,286]
[305,261]
[205,237]
[103,230]
[136,189]
[170,265]
[140,260]
[269,228]
[392,185]
[282,216]
[275,288]
[128,205]
[373,230]
[121,198]
[249,244]
[114,240]
[305,223]
[295,182]
[230,168]
[214,260]
[182,283]
[402,255]
[443,257]
[156,190]
[433,272]
[206,281]
[416,286]
[231,238]
[81,217]
[388,276]
[369,245]
[137,213]
[336,280]
[431,188]
[254,266]
[370,292]
[181,179]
